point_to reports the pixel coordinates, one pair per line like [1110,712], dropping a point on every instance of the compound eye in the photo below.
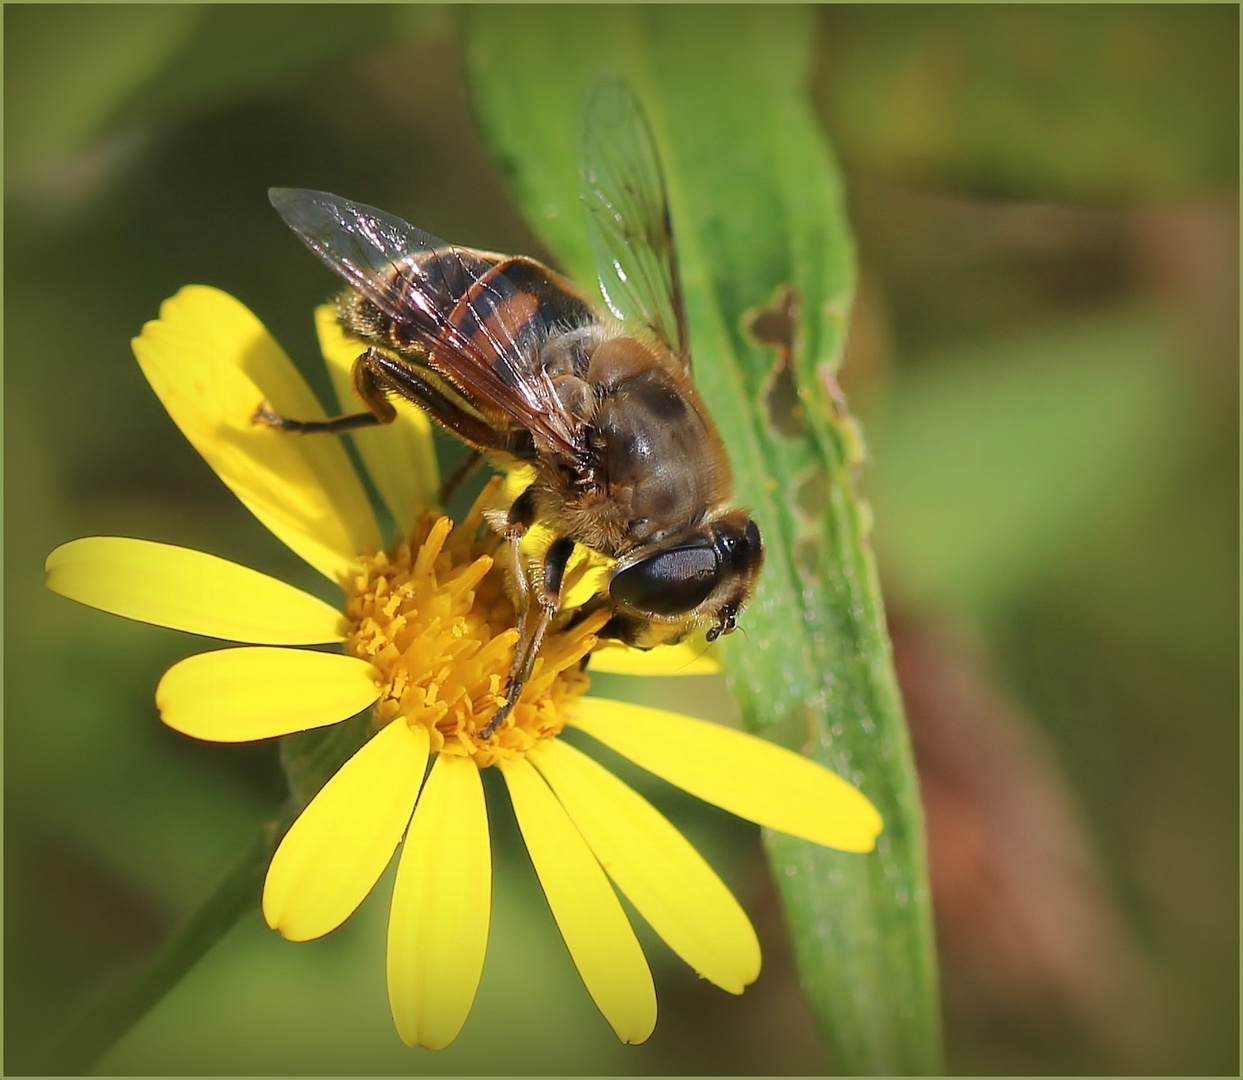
[668,582]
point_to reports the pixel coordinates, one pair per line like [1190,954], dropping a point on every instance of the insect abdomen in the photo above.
[496,300]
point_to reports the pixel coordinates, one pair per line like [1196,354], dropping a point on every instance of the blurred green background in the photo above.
[1044,354]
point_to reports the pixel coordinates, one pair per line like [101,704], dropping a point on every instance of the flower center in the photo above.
[434,617]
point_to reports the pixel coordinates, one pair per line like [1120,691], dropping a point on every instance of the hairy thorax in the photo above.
[654,464]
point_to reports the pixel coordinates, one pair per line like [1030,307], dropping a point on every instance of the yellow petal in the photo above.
[586,574]
[517,480]
[211,362]
[592,581]
[596,930]
[442,903]
[189,590]
[400,456]
[236,695]
[745,775]
[339,846]
[685,658]
[653,864]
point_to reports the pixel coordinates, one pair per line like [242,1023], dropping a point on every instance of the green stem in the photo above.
[102,1024]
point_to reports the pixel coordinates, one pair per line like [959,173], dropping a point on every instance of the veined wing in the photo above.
[481,332]
[622,187]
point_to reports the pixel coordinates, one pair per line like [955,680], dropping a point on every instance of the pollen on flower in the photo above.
[433,616]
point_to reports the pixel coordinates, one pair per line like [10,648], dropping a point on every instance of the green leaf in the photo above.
[757,207]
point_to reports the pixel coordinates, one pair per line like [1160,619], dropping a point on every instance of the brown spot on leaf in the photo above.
[776,327]
[811,493]
[806,551]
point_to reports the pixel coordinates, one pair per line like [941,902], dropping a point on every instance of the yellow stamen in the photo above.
[434,617]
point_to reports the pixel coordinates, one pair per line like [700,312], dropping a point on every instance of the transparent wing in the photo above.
[623,189]
[481,332]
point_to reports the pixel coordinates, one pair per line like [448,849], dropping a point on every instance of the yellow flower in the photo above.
[428,635]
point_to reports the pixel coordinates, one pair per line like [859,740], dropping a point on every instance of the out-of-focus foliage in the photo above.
[992,459]
[1037,101]
[70,66]
[1082,626]
[85,70]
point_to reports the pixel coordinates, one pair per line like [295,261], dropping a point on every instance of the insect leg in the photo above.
[368,384]
[521,517]
[376,376]
[555,562]
[336,426]
[405,380]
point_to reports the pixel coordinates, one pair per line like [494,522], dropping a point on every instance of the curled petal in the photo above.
[592,922]
[442,904]
[236,695]
[212,363]
[189,590]
[400,456]
[653,864]
[517,480]
[745,775]
[586,574]
[337,849]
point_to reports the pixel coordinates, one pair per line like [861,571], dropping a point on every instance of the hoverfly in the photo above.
[517,362]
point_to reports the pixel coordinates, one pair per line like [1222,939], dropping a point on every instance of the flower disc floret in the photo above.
[433,617]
